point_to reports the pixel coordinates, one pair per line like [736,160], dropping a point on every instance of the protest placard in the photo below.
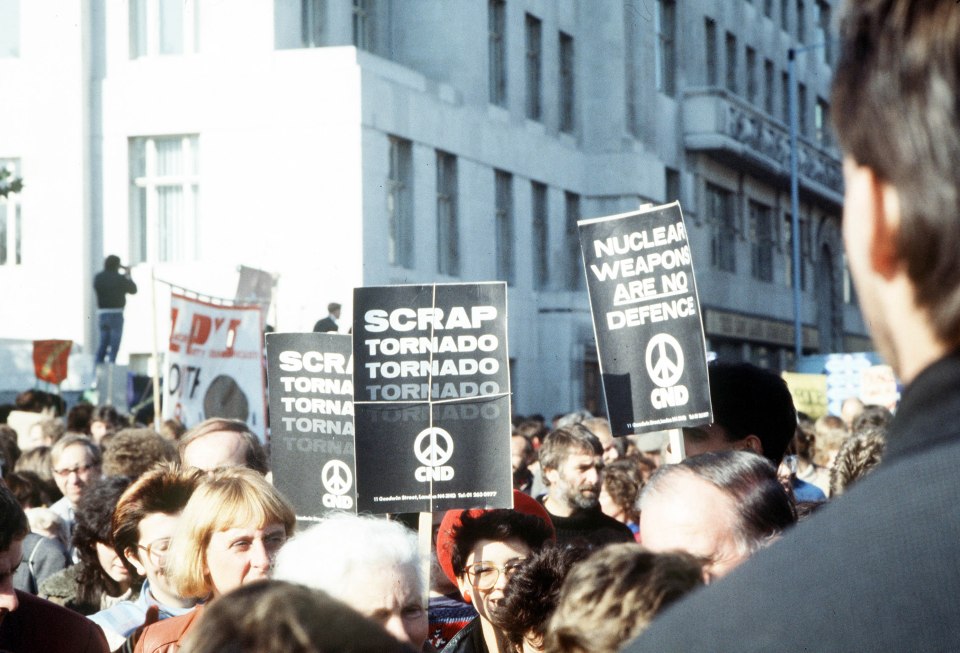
[432,397]
[646,318]
[809,392]
[310,378]
[214,363]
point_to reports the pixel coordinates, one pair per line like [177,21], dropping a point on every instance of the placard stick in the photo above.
[156,354]
[425,537]
[676,452]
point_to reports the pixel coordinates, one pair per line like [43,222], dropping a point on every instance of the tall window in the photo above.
[448,230]
[802,125]
[631,66]
[364,21]
[731,62]
[671,182]
[9,28]
[666,60]
[785,97]
[769,91]
[801,22]
[400,203]
[164,198]
[751,75]
[720,213]
[710,43]
[785,15]
[312,15]
[541,236]
[804,249]
[761,242]
[568,97]
[534,30]
[768,8]
[571,242]
[504,226]
[497,51]
[159,27]
[821,20]
[821,122]
[11,227]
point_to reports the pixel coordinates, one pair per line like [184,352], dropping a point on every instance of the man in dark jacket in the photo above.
[876,570]
[112,289]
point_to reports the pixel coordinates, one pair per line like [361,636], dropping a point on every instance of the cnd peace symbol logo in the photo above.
[664,360]
[336,477]
[433,446]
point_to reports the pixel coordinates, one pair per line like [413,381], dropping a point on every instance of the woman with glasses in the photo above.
[479,550]
[143,524]
[228,535]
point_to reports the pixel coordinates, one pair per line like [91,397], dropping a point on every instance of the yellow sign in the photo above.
[809,392]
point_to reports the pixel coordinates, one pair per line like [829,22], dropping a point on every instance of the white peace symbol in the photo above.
[666,371]
[336,477]
[433,454]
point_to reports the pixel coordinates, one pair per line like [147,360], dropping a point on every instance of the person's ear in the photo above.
[884,206]
[753,443]
[465,590]
[131,555]
[551,475]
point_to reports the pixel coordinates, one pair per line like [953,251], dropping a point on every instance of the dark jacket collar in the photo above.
[929,411]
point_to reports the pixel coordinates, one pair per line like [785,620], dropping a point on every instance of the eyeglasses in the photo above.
[157,551]
[484,575]
[80,470]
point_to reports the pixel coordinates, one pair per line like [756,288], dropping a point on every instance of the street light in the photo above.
[795,196]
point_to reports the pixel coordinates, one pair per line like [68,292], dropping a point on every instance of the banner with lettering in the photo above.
[214,363]
[432,397]
[646,318]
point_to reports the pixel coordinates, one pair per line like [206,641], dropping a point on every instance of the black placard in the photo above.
[646,316]
[432,397]
[309,376]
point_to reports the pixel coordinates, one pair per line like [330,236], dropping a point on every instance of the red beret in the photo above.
[522,503]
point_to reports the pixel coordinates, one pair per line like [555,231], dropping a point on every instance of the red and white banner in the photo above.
[214,363]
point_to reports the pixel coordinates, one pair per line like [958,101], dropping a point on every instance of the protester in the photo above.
[133,451]
[27,623]
[75,463]
[721,506]
[614,594]
[221,442]
[572,466]
[280,617]
[830,434]
[521,455]
[849,410]
[531,595]
[752,409]
[331,322]
[42,557]
[619,493]
[872,416]
[479,550]
[143,525]
[884,575]
[45,432]
[37,462]
[857,457]
[79,417]
[99,579]
[111,289]
[804,446]
[369,563]
[104,421]
[230,530]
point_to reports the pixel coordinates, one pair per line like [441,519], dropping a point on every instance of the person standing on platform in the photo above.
[112,289]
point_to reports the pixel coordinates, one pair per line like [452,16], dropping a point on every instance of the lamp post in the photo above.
[795,197]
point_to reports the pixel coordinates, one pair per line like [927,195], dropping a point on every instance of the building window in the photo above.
[312,14]
[666,60]
[731,63]
[785,15]
[164,198]
[631,66]
[541,236]
[768,88]
[9,29]
[363,24]
[761,240]
[801,23]
[159,27]
[821,121]
[821,19]
[710,43]
[11,225]
[497,51]
[751,75]
[400,203]
[568,97]
[448,231]
[785,97]
[804,249]
[504,225]
[768,8]
[803,126]
[720,212]
[571,242]
[534,30]
[671,182]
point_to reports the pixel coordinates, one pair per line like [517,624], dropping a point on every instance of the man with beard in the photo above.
[572,461]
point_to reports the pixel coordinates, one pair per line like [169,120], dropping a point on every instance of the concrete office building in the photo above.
[339,143]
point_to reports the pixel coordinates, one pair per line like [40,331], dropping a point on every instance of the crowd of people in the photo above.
[773,531]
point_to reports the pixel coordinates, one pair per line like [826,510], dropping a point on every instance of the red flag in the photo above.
[50,359]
